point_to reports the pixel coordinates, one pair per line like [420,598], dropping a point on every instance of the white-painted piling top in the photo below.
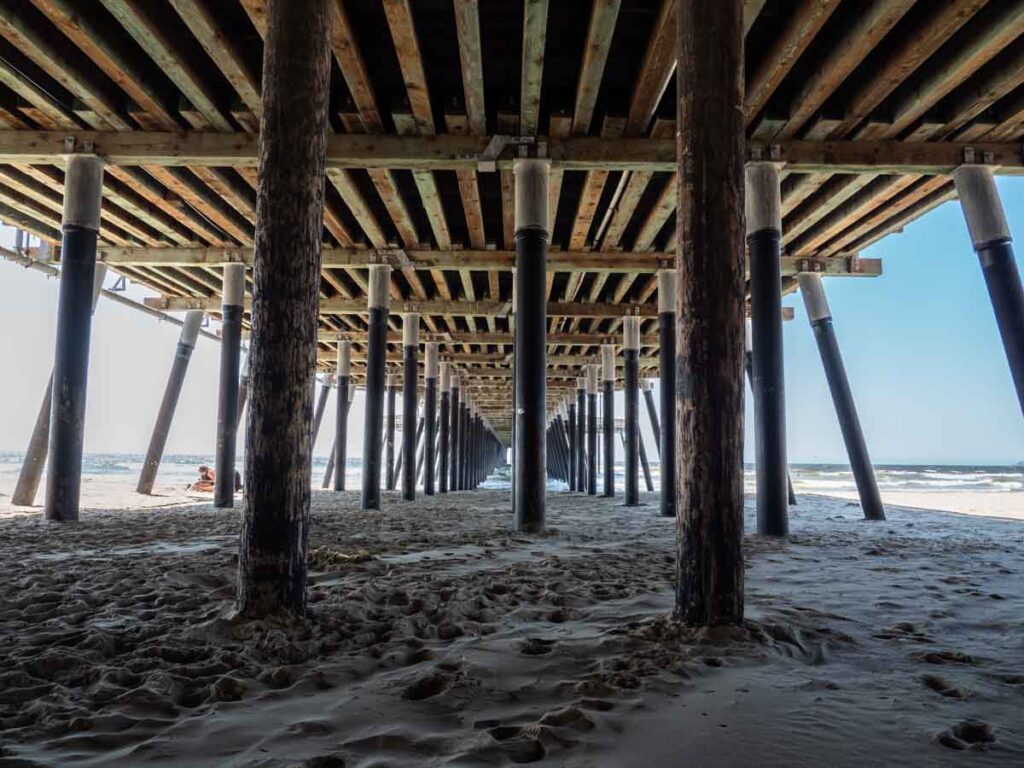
[234,285]
[666,290]
[608,362]
[763,197]
[344,358]
[981,204]
[430,360]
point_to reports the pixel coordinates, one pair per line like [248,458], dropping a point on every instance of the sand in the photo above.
[438,637]
[983,503]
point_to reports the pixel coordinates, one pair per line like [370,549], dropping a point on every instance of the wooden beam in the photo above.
[160,48]
[457,308]
[467,25]
[353,68]
[655,72]
[872,24]
[407,46]
[535,32]
[220,48]
[422,153]
[787,47]
[595,55]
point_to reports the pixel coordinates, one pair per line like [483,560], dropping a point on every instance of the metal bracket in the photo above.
[488,160]
[119,285]
[971,157]
[761,153]
[73,147]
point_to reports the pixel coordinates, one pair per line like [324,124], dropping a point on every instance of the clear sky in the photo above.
[920,344]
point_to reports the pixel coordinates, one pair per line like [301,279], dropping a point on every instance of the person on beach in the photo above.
[205,482]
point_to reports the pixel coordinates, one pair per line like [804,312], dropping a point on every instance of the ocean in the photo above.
[178,470]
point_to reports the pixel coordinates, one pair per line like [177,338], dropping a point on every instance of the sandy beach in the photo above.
[439,637]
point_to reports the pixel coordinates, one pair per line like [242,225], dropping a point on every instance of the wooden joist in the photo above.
[425,153]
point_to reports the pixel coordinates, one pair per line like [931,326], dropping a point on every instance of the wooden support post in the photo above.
[391,478]
[227,403]
[454,436]
[376,356]
[820,317]
[645,465]
[593,371]
[430,414]
[182,356]
[532,235]
[344,382]
[410,387]
[573,445]
[631,374]
[764,240]
[667,389]
[243,391]
[321,404]
[444,439]
[80,223]
[709,305]
[990,235]
[647,390]
[608,416]
[39,444]
[286,288]
[581,434]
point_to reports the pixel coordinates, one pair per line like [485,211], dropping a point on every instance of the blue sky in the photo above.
[920,344]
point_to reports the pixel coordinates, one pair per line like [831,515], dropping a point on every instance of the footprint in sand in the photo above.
[945,657]
[945,688]
[519,743]
[426,687]
[967,734]
[536,646]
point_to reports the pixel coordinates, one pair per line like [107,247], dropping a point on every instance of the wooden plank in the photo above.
[20,33]
[999,31]
[342,181]
[904,58]
[160,48]
[407,46]
[47,113]
[353,68]
[600,31]
[257,11]
[656,71]
[426,153]
[221,49]
[787,47]
[535,31]
[872,24]
[467,25]
[656,218]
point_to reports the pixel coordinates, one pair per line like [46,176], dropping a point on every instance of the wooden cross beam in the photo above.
[504,260]
[463,152]
[431,307]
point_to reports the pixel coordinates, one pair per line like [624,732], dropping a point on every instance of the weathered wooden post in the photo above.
[631,390]
[321,402]
[647,390]
[531,234]
[393,383]
[243,389]
[582,457]
[593,371]
[454,437]
[709,323]
[645,464]
[608,416]
[227,403]
[990,235]
[444,427]
[344,382]
[430,414]
[39,444]
[764,241]
[182,356]
[80,223]
[410,387]
[286,286]
[573,445]
[465,441]
[820,317]
[376,360]
[667,357]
